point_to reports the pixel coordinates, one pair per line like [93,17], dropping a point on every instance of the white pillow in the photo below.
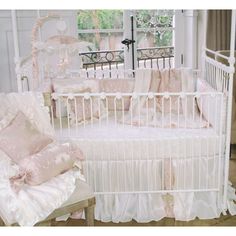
[210,106]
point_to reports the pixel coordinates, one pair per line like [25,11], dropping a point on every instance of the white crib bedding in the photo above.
[160,142]
[34,203]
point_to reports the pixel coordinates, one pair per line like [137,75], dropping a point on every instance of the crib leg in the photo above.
[89,215]
[45,223]
[1,222]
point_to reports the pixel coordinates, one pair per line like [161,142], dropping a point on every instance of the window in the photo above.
[155,28]
[103,28]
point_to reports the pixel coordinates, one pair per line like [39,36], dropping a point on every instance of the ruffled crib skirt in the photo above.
[200,174]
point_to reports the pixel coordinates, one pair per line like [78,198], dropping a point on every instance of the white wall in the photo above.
[25,21]
[7,53]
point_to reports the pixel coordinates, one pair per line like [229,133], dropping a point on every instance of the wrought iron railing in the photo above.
[155,57]
[100,59]
[147,57]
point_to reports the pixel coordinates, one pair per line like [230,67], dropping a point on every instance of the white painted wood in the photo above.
[15,35]
[179,37]
[7,82]
[185,38]
[190,35]
[201,35]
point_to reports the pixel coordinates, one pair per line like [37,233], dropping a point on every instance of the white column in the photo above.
[179,38]
[201,38]
[190,38]
[127,34]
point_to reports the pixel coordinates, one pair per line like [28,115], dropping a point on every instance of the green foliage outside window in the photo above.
[113,19]
[100,19]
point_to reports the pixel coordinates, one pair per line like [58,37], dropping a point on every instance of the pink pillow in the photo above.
[77,107]
[21,138]
[117,86]
[48,163]
[170,81]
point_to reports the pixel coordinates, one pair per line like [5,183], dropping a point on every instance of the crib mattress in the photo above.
[101,140]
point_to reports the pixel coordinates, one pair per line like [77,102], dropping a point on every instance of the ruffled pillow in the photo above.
[53,160]
[20,138]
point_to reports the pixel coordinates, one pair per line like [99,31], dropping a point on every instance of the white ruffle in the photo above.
[125,207]
[34,203]
[148,207]
[32,105]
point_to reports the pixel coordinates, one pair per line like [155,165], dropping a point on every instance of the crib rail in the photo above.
[216,73]
[145,142]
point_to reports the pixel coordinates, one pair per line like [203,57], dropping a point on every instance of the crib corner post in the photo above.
[229,110]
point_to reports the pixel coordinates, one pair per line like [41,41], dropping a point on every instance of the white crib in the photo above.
[126,157]
[144,163]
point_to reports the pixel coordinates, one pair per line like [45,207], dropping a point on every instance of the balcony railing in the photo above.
[153,57]
[95,59]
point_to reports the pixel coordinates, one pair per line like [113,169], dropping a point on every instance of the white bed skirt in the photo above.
[148,207]
[124,176]
[148,176]
[186,174]
[145,208]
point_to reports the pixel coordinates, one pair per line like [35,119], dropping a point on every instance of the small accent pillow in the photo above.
[20,138]
[53,160]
